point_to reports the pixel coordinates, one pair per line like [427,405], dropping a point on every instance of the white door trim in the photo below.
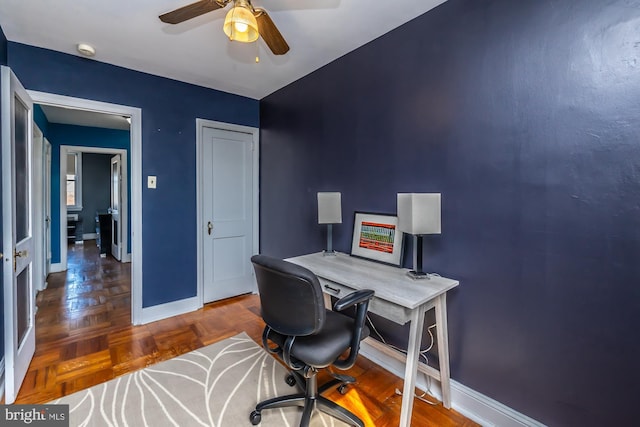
[64,150]
[201,226]
[136,180]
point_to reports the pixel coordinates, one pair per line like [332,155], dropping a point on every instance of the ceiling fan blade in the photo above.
[270,33]
[190,11]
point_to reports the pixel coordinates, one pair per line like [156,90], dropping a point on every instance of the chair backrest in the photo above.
[290,296]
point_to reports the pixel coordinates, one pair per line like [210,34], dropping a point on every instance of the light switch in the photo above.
[151,181]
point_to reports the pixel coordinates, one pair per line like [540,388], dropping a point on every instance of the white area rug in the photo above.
[215,386]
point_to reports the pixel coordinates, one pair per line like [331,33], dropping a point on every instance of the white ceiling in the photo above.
[71,116]
[128,33]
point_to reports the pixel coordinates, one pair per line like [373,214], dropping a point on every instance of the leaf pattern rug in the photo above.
[214,386]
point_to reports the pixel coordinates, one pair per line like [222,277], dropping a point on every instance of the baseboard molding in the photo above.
[126,258]
[170,309]
[2,379]
[89,236]
[487,411]
[473,405]
[57,268]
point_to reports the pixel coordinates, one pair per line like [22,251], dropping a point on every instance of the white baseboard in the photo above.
[57,268]
[473,405]
[163,311]
[89,236]
[486,411]
[126,258]
[2,378]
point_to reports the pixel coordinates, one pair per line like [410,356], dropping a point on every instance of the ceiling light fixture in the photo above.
[86,49]
[240,24]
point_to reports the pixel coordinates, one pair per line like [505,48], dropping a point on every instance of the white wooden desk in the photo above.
[398,298]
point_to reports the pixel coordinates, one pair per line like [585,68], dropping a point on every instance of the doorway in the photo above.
[82,220]
[135,211]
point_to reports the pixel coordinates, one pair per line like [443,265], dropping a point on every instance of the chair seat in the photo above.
[322,349]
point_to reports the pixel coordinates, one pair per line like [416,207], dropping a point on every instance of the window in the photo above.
[74,181]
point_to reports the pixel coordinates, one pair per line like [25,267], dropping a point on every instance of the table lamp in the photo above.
[329,212]
[419,214]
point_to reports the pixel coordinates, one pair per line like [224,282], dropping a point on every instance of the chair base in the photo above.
[341,381]
[309,400]
[320,403]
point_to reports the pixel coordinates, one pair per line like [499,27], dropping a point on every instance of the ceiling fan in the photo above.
[243,23]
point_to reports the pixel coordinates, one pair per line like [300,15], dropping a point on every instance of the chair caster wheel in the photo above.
[255,418]
[290,380]
[342,389]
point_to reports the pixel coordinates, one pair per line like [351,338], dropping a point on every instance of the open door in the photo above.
[47,207]
[38,218]
[116,228]
[17,232]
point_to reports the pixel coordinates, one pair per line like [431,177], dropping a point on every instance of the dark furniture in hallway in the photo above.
[103,230]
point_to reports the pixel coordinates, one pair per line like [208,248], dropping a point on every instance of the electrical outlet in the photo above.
[151,181]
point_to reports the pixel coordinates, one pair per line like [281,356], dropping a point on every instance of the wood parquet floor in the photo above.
[84,337]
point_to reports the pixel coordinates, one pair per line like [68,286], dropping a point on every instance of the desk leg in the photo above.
[443,349]
[327,301]
[411,367]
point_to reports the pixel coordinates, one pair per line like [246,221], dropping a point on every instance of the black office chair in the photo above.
[307,336]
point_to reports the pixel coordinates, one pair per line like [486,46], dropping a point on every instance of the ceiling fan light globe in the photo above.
[237,19]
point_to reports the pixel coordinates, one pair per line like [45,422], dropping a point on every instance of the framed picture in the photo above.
[376,237]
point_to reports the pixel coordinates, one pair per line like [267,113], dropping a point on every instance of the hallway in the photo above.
[75,315]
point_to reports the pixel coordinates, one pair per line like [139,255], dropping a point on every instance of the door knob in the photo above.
[16,255]
[19,254]
[209,227]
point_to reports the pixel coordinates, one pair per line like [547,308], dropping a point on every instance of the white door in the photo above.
[17,229]
[227,203]
[38,210]
[116,226]
[47,207]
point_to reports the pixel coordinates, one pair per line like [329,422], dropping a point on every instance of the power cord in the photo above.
[423,354]
[421,397]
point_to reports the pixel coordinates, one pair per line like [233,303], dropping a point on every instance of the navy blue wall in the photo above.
[525,115]
[41,120]
[60,134]
[169,110]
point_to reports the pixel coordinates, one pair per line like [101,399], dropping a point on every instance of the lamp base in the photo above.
[329,253]
[417,275]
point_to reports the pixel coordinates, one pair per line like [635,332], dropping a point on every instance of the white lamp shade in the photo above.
[419,213]
[330,208]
